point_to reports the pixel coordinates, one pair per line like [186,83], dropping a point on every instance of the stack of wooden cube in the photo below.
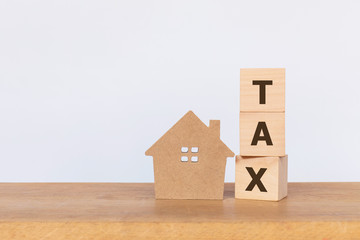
[261,167]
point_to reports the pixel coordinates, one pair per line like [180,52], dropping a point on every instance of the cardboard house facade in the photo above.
[189,160]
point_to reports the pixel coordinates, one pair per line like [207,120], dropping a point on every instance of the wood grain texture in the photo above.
[129,211]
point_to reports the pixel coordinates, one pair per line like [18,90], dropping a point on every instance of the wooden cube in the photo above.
[261,178]
[262,90]
[262,134]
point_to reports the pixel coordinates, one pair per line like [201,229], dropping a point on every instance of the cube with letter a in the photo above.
[262,134]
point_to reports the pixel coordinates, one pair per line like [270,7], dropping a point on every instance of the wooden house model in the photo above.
[189,160]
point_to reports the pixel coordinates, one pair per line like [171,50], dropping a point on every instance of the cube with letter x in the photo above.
[262,178]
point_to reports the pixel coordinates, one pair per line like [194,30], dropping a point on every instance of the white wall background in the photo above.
[87,86]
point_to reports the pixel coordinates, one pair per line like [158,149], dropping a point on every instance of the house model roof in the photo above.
[191,129]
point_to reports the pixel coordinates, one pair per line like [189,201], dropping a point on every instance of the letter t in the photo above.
[262,84]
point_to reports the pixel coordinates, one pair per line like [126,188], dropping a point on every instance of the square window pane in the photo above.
[194,159]
[184,149]
[184,158]
[194,149]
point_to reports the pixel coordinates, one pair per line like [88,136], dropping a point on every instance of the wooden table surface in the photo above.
[129,211]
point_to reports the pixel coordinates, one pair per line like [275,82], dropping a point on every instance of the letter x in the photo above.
[256,179]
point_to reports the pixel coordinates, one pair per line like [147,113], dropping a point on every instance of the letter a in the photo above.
[266,137]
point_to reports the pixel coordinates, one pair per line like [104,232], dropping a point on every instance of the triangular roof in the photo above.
[189,120]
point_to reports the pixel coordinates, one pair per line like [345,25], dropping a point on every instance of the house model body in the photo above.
[189,160]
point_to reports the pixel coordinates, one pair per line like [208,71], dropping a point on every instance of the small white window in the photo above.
[184,158]
[194,159]
[194,149]
[184,149]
